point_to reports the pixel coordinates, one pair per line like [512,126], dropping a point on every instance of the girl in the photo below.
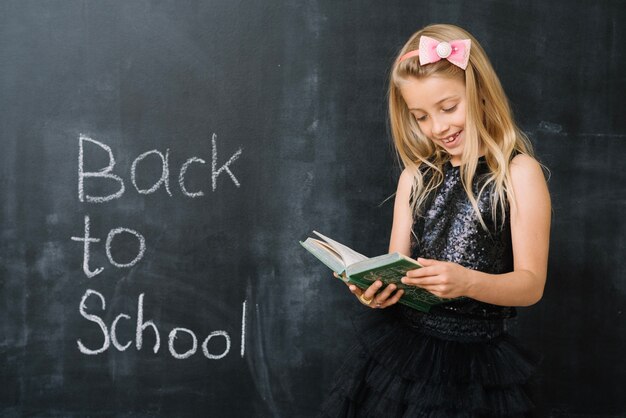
[473,204]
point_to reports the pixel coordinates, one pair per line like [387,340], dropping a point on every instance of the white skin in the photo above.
[438,105]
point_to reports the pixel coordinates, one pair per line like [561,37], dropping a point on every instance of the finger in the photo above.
[382,299]
[422,272]
[393,300]
[421,281]
[354,290]
[371,291]
[383,296]
[385,293]
[426,261]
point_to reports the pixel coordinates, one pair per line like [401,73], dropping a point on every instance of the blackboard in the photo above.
[236,128]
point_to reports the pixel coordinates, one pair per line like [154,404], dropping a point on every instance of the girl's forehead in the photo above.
[430,91]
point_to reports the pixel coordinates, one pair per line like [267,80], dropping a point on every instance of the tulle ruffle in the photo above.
[396,370]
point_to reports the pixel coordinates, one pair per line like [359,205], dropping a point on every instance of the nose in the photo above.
[440,126]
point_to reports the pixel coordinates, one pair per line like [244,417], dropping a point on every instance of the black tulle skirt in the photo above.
[409,364]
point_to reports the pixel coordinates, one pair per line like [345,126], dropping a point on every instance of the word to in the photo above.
[112,234]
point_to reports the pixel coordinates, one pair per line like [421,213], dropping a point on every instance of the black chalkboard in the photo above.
[236,128]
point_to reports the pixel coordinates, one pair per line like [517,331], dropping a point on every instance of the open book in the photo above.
[362,271]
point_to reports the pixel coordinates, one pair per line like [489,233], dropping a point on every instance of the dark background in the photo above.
[300,88]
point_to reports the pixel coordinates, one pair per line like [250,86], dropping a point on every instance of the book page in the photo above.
[348,255]
[324,252]
[328,248]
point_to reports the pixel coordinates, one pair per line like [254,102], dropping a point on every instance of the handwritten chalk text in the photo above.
[87,240]
[106,173]
[190,340]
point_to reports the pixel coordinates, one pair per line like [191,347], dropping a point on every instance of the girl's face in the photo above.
[438,105]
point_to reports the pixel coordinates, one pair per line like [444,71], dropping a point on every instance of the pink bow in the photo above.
[432,50]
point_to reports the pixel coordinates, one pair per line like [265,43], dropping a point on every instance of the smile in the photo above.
[451,138]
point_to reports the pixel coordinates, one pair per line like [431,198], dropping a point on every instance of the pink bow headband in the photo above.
[432,50]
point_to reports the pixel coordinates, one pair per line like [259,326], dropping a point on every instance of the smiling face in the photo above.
[438,105]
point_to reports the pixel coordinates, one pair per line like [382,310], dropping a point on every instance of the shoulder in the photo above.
[406,177]
[528,180]
[525,168]
[405,183]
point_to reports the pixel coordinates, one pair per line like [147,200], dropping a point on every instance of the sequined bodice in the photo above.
[449,230]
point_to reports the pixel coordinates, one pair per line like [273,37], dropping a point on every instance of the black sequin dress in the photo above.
[456,361]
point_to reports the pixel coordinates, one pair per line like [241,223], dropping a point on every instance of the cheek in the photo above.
[424,128]
[462,116]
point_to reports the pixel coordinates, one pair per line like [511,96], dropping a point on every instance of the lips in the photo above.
[451,140]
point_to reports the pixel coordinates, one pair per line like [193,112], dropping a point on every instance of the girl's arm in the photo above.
[530,235]
[400,240]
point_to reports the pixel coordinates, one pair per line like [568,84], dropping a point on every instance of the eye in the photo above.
[421,118]
[450,109]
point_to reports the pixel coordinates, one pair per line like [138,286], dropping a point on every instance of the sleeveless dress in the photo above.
[457,360]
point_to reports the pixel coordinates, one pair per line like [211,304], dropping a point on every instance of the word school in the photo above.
[110,335]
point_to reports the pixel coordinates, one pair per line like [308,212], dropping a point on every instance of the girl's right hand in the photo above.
[368,297]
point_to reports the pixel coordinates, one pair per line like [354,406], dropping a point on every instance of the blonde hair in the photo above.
[489,122]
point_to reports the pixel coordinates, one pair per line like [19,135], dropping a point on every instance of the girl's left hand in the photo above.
[441,278]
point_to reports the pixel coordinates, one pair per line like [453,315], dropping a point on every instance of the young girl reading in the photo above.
[473,207]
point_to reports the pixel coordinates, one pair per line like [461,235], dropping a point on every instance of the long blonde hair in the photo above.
[489,121]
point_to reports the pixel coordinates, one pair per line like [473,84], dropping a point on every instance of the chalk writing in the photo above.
[102,173]
[164,179]
[141,326]
[110,337]
[243,329]
[114,341]
[93,318]
[181,177]
[142,246]
[87,239]
[187,353]
[205,344]
[178,337]
[215,173]
[86,253]
[165,172]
